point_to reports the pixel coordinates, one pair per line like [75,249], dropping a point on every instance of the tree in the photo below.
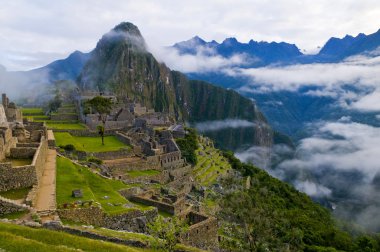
[54,104]
[100,129]
[103,107]
[188,146]
[167,232]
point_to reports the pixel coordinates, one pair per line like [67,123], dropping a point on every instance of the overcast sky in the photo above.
[33,33]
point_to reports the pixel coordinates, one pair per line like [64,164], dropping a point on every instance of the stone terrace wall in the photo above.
[40,158]
[31,145]
[18,177]
[149,202]
[23,152]
[90,216]
[123,138]
[51,139]
[123,153]
[24,176]
[140,165]
[134,220]
[9,206]
[203,234]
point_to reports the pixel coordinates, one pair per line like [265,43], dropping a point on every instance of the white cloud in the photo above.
[64,26]
[342,146]
[370,102]
[223,124]
[312,188]
[204,60]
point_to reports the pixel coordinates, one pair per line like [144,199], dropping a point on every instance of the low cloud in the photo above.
[25,86]
[312,189]
[339,163]
[205,60]
[223,124]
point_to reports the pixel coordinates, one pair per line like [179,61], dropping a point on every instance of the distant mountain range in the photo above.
[266,53]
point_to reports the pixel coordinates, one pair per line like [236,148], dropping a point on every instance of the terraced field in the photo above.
[211,164]
[94,187]
[20,238]
[89,144]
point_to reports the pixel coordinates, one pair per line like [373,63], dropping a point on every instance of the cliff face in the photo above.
[121,63]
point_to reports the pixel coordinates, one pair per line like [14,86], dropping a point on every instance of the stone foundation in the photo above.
[9,206]
[203,231]
[133,221]
[24,176]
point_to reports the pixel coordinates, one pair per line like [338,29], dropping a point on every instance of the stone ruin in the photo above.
[123,114]
[20,140]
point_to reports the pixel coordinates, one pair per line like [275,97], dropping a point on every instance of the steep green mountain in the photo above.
[122,64]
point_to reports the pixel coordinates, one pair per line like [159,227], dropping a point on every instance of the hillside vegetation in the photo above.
[262,213]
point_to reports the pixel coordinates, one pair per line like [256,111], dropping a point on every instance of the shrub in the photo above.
[95,160]
[69,147]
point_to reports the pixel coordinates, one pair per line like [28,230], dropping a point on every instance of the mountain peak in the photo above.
[124,32]
[127,28]
[230,41]
[198,39]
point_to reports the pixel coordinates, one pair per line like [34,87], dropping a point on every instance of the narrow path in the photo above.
[46,193]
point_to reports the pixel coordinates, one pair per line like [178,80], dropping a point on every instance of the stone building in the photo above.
[13,114]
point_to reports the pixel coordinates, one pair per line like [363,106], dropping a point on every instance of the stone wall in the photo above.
[6,142]
[180,172]
[40,157]
[123,138]
[110,125]
[172,159]
[90,216]
[86,132]
[16,177]
[24,176]
[9,206]
[203,234]
[23,152]
[129,192]
[168,208]
[123,153]
[140,165]
[157,178]
[133,220]
[51,139]
[31,145]
[94,236]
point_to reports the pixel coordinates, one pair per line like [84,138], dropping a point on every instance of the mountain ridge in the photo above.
[129,70]
[335,49]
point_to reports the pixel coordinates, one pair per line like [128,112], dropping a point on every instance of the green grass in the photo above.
[16,194]
[65,126]
[19,161]
[89,144]
[94,187]
[147,239]
[32,111]
[119,234]
[14,216]
[20,238]
[135,174]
